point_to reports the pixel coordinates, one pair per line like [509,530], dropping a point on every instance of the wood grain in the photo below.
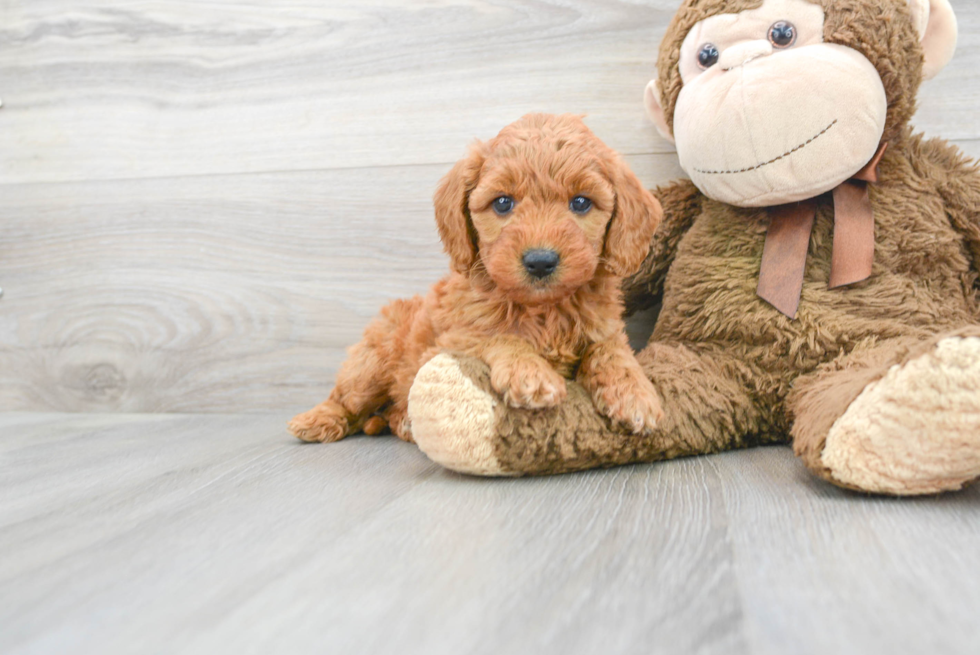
[110,89]
[203,534]
[224,293]
[875,574]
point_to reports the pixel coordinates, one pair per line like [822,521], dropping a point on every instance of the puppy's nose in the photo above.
[541,263]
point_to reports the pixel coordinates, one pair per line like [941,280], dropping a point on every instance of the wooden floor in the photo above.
[218,534]
[202,203]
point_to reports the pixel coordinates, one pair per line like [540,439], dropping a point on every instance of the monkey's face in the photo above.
[769,113]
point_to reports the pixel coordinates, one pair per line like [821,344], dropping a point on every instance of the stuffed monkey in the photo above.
[818,274]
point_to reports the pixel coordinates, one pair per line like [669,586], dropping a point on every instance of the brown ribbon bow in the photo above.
[788,239]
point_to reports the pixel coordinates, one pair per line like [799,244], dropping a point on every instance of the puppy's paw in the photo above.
[400,424]
[529,383]
[323,423]
[632,403]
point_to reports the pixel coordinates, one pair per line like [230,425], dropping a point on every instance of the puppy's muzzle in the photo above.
[540,263]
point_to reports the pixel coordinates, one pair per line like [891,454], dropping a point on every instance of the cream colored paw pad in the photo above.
[453,420]
[917,430]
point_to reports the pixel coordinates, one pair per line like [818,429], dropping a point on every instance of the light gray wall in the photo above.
[202,204]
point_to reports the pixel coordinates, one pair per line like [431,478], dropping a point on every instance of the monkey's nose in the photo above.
[540,263]
[743,53]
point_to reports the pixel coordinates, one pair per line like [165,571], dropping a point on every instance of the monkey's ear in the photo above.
[655,111]
[456,230]
[936,23]
[635,218]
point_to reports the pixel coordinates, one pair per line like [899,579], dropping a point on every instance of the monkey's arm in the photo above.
[681,202]
[518,372]
[958,180]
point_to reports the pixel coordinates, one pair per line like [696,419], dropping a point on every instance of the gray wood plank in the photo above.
[227,293]
[823,570]
[109,89]
[590,563]
[218,534]
[112,89]
[207,534]
[161,507]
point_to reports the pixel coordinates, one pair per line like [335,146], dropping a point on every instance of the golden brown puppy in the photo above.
[541,224]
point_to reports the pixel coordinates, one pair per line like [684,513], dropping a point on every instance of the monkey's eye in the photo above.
[782,34]
[708,55]
[580,205]
[503,205]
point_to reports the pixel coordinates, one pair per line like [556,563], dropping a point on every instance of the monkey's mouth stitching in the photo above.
[771,161]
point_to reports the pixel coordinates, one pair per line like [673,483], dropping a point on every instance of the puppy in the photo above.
[541,225]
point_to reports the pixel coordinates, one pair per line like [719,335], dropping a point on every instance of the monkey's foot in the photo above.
[915,431]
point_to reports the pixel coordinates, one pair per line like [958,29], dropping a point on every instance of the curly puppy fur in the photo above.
[533,333]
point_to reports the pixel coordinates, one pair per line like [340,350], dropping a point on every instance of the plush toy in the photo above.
[818,275]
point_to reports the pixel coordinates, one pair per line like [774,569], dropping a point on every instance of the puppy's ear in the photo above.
[456,230]
[635,218]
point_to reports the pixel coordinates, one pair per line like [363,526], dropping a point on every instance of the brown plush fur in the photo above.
[819,398]
[532,333]
[731,371]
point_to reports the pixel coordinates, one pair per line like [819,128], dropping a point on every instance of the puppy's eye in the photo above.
[708,55]
[503,205]
[580,205]
[782,34]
